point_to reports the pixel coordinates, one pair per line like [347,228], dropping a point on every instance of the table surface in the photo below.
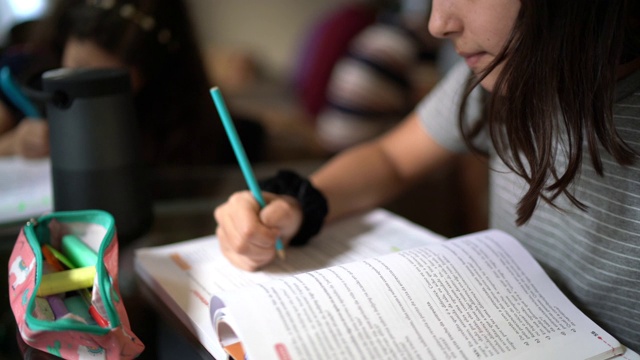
[183,211]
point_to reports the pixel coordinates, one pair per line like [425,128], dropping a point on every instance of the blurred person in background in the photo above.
[154,40]
[377,82]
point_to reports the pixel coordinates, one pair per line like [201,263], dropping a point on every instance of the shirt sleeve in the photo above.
[438,111]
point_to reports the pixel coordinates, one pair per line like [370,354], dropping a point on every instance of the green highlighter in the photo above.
[78,252]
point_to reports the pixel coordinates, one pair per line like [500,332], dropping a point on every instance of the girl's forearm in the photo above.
[371,174]
[357,180]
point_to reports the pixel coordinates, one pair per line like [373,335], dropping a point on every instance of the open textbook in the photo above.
[185,275]
[384,288]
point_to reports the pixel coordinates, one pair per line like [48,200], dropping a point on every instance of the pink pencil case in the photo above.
[75,324]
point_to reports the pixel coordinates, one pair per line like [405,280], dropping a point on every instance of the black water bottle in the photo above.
[95,160]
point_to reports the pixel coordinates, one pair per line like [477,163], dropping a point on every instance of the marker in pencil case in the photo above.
[56,303]
[78,252]
[99,319]
[68,280]
[60,256]
[42,310]
[78,307]
[51,259]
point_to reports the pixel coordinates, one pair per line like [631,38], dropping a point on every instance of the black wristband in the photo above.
[313,203]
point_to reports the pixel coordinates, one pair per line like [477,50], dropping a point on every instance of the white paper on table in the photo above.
[25,188]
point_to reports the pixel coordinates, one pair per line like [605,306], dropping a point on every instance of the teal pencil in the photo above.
[238,149]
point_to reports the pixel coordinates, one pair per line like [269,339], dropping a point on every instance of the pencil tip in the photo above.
[282,255]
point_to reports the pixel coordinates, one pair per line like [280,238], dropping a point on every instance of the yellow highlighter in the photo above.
[68,280]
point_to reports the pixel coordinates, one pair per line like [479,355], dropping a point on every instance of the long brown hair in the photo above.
[556,93]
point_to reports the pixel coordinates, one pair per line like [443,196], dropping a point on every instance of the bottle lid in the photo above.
[86,82]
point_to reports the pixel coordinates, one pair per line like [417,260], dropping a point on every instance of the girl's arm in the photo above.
[359,179]
[373,173]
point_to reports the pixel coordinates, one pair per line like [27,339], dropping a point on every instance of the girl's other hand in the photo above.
[248,234]
[32,138]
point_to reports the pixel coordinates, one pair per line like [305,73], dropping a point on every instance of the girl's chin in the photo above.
[488,83]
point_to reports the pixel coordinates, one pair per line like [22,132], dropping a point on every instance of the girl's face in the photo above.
[477,28]
[87,54]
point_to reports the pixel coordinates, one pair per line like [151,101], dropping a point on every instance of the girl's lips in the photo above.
[472,60]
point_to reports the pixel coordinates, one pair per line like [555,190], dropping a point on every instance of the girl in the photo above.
[550,91]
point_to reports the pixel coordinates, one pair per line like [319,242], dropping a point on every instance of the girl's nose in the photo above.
[444,21]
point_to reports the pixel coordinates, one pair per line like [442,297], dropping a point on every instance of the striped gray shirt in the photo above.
[593,255]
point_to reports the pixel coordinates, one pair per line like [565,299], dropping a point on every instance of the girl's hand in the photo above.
[248,234]
[31,139]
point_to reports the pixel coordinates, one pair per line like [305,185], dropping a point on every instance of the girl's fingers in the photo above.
[244,239]
[283,213]
[250,258]
[32,138]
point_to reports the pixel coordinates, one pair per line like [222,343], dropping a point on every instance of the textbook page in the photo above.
[25,188]
[186,275]
[481,296]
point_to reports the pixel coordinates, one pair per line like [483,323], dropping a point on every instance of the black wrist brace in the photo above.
[313,203]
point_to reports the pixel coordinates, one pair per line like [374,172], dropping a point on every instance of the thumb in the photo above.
[282,212]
